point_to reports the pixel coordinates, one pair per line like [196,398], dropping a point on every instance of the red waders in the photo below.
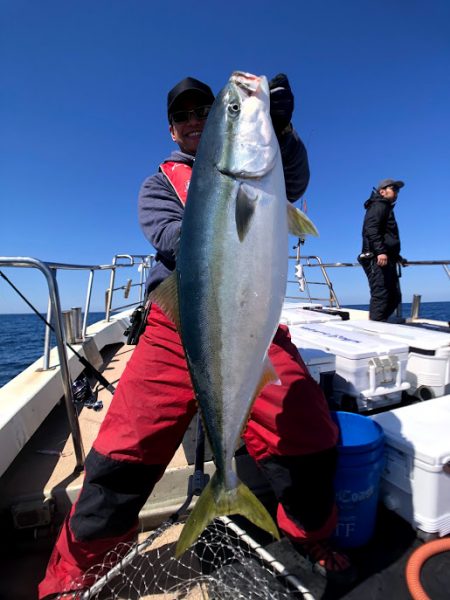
[290,434]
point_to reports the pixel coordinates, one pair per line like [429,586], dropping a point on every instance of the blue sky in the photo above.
[83,122]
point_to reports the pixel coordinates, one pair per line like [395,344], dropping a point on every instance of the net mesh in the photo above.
[221,565]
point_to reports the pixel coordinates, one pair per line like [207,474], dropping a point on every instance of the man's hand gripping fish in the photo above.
[227,292]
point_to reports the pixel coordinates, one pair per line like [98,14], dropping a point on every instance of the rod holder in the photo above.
[77,323]
[68,326]
[415,306]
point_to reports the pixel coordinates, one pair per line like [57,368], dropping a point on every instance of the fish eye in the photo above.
[234,108]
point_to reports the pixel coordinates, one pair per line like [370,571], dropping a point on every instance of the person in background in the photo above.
[380,255]
[290,433]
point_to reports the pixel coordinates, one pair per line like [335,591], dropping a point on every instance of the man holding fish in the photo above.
[213,339]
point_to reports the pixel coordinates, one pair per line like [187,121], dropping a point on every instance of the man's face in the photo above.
[390,193]
[187,128]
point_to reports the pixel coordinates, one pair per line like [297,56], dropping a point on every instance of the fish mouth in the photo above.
[250,84]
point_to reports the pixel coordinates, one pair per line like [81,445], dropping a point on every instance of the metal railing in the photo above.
[304,286]
[144,264]
[54,314]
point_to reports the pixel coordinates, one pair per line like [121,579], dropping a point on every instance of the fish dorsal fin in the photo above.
[246,199]
[166,297]
[299,224]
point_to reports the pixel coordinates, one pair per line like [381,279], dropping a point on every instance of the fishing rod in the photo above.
[89,368]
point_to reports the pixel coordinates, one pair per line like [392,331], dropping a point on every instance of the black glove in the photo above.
[281,102]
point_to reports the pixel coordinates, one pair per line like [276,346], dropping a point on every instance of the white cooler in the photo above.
[294,313]
[428,365]
[369,370]
[416,478]
[321,366]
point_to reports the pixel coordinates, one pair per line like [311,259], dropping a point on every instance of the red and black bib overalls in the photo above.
[290,434]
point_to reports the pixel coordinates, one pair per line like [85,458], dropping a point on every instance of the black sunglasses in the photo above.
[181,116]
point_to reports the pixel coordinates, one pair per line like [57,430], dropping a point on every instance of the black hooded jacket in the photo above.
[380,230]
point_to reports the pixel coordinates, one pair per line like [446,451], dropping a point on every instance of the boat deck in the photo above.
[48,461]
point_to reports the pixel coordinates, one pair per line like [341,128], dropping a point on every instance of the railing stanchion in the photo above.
[87,304]
[48,333]
[64,365]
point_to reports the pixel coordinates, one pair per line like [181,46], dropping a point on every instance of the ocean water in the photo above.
[22,342]
[439,311]
[23,335]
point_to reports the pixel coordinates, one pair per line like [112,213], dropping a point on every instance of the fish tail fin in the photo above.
[216,501]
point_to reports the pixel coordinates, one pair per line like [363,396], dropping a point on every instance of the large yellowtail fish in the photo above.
[227,291]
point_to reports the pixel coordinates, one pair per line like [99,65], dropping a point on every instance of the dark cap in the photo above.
[189,84]
[384,183]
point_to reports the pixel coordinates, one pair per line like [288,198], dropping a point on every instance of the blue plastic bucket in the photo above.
[357,481]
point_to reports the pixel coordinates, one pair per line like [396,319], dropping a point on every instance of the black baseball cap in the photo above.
[188,84]
[384,183]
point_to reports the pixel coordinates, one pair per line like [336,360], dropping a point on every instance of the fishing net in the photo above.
[224,564]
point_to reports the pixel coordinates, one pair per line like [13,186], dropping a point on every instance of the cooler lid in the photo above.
[414,337]
[348,343]
[293,315]
[316,356]
[421,429]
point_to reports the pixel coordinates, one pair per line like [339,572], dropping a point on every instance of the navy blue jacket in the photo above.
[380,230]
[161,212]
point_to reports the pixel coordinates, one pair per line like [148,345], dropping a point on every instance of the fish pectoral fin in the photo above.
[166,297]
[299,224]
[216,501]
[246,199]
